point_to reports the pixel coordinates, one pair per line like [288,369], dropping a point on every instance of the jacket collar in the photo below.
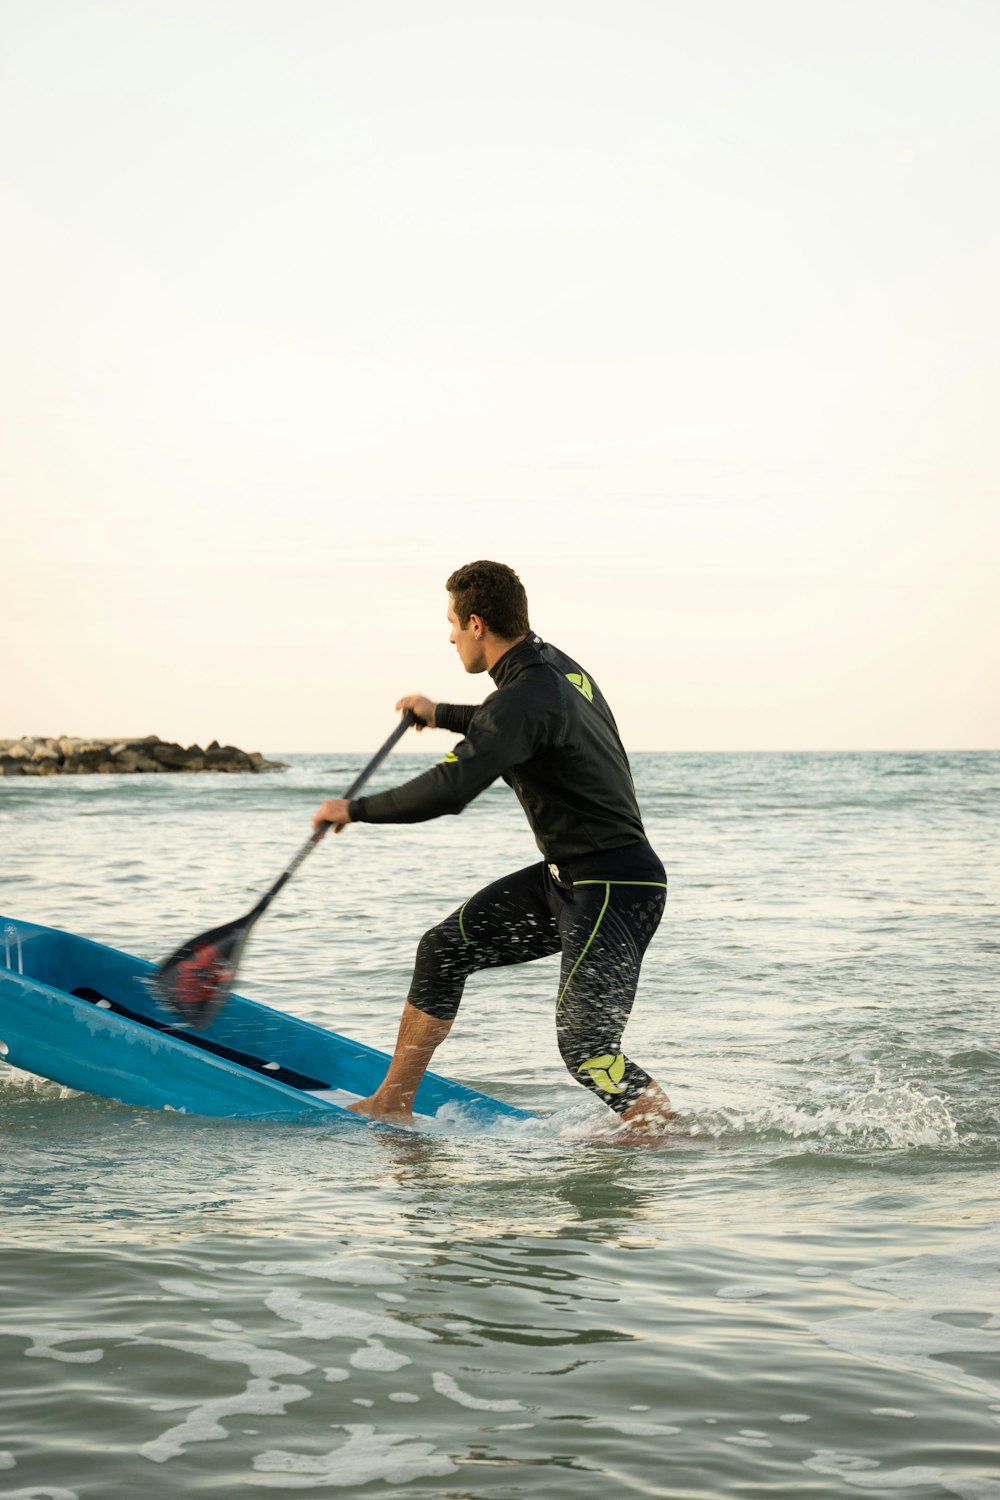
[512,661]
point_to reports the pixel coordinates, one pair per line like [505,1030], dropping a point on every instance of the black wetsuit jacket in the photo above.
[549,733]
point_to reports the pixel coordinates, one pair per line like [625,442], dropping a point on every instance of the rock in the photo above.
[68,755]
[218,760]
[147,763]
[171,755]
[228,759]
[89,757]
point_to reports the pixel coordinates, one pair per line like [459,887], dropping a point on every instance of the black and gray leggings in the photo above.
[601,926]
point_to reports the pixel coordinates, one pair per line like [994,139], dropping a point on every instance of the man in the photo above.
[596,897]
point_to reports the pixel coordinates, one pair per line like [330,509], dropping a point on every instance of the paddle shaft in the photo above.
[397,734]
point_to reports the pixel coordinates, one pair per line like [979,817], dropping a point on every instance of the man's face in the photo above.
[467,639]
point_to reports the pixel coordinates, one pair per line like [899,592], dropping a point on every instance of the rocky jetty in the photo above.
[65,756]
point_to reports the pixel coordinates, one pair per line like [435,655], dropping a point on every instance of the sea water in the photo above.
[797,1296]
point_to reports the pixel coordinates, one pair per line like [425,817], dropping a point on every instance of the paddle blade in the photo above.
[195,981]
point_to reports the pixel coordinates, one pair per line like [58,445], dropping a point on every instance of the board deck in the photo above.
[86,1016]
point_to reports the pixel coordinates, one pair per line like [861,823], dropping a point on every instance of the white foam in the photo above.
[867,1473]
[367,1455]
[46,1346]
[7,1460]
[375,1356]
[362,1401]
[973,1489]
[446,1386]
[328,1320]
[876,1113]
[814,1273]
[741,1292]
[750,1442]
[639,1408]
[633,1429]
[263,1362]
[964,1278]
[794,1416]
[189,1289]
[46,1493]
[909,1341]
[333,1374]
[358,1270]
[891,1411]
[224,1325]
[262,1398]
[403,1396]
[910,1337]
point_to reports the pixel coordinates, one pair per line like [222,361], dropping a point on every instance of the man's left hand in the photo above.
[335,811]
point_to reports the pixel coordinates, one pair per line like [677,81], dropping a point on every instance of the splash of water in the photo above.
[877,1114]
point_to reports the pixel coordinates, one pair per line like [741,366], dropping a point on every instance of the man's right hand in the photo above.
[422,707]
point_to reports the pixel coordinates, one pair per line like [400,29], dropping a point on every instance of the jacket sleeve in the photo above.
[454,716]
[501,734]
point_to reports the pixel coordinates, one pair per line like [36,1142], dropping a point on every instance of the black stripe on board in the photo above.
[181,1034]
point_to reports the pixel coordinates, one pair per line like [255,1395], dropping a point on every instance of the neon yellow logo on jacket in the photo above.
[581,682]
[605,1072]
[450,758]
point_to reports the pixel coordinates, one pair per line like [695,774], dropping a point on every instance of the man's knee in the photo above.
[448,944]
[441,969]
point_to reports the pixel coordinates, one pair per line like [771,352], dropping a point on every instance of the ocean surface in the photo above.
[797,1296]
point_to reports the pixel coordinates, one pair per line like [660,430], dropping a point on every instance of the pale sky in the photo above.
[689,312]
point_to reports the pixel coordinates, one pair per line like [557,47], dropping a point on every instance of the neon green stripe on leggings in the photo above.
[600,919]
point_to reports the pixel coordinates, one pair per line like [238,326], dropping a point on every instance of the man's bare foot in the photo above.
[376,1109]
[651,1113]
[645,1132]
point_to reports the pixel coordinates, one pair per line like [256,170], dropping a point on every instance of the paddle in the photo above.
[195,981]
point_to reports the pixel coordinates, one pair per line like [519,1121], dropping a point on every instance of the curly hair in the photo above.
[495,593]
